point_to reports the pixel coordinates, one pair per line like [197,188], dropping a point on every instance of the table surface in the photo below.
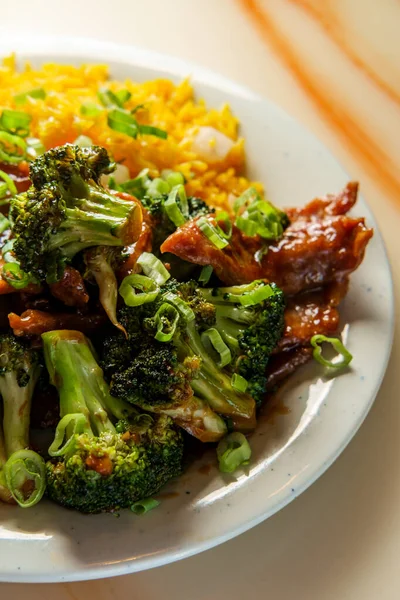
[335,66]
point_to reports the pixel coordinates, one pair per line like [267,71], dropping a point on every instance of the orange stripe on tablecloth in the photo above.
[363,147]
[321,12]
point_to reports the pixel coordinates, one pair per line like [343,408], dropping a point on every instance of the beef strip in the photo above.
[320,245]
[70,289]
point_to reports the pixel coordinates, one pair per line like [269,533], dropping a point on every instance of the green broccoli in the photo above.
[208,346]
[105,454]
[22,471]
[67,210]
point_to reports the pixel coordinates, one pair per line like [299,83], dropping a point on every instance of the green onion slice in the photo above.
[15,276]
[34,148]
[173,178]
[249,196]
[108,98]
[123,122]
[143,506]
[150,130]
[90,109]
[25,474]
[181,306]
[223,217]
[176,205]
[166,318]
[157,187]
[9,182]
[83,141]
[36,93]
[123,96]
[137,186]
[239,383]
[148,290]
[205,274]
[233,451]
[212,232]
[4,224]
[15,121]
[249,295]
[342,351]
[214,337]
[248,227]
[68,426]
[12,148]
[153,268]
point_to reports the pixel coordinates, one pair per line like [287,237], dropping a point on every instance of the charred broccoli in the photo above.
[105,455]
[67,210]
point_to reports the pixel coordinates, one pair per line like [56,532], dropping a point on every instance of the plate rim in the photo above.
[70,47]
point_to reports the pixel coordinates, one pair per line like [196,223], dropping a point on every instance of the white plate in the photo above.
[48,543]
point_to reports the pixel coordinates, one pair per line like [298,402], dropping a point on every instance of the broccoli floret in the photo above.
[22,471]
[67,210]
[251,331]
[105,455]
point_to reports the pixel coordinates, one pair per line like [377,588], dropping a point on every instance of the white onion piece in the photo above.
[120,175]
[211,145]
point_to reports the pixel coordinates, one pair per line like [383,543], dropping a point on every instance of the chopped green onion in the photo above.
[249,196]
[9,146]
[254,293]
[157,187]
[123,96]
[233,451]
[176,205]
[173,178]
[222,216]
[74,423]
[205,274]
[34,148]
[148,290]
[36,93]
[123,122]
[83,141]
[342,351]
[108,98]
[143,506]
[153,268]
[9,182]
[185,311]
[212,232]
[7,251]
[15,276]
[166,318]
[248,227]
[137,108]
[4,223]
[239,383]
[150,130]
[16,122]
[25,474]
[214,337]
[137,186]
[90,109]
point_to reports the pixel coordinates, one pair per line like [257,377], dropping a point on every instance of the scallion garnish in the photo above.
[173,178]
[148,290]
[213,232]
[15,122]
[255,216]
[12,148]
[166,319]
[111,99]
[90,109]
[342,351]
[4,223]
[137,186]
[256,292]
[205,274]
[36,93]
[83,141]
[213,336]
[143,506]
[123,121]
[249,196]
[182,307]
[153,268]
[34,148]
[15,276]
[75,422]
[239,383]
[9,183]
[176,205]
[150,130]
[233,451]
[223,217]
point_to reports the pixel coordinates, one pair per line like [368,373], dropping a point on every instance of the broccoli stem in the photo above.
[79,380]
[5,494]
[16,407]
[212,384]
